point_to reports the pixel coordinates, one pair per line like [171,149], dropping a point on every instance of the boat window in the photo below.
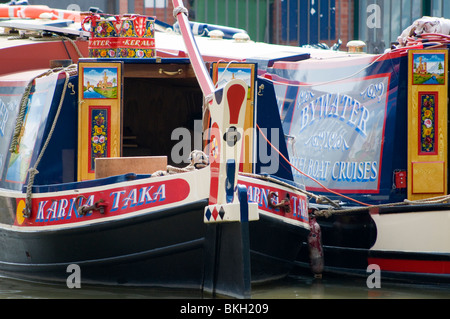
[14,165]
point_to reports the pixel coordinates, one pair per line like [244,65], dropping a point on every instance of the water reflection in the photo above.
[341,287]
[293,287]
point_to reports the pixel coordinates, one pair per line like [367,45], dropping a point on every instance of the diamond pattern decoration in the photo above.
[208,214]
[221,212]
[230,213]
[215,213]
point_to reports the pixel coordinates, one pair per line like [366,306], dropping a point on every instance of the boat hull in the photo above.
[164,248]
[161,248]
[165,245]
[274,246]
[404,243]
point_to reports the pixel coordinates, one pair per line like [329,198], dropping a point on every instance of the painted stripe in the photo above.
[415,266]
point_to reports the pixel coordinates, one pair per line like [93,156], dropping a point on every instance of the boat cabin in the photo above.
[138,109]
[127,109]
[372,128]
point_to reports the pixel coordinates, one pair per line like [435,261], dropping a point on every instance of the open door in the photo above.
[427,118]
[99,115]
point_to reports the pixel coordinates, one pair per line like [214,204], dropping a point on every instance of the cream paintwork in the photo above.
[426,232]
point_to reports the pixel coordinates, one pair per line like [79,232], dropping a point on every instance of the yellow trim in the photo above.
[115,118]
[427,173]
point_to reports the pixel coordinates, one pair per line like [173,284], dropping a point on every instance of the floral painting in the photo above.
[427,123]
[99,134]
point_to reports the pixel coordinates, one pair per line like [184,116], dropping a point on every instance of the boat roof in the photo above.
[230,50]
[170,44]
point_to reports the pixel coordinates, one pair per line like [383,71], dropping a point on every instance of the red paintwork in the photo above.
[37,55]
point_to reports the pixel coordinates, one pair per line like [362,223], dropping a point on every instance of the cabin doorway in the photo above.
[130,109]
[153,108]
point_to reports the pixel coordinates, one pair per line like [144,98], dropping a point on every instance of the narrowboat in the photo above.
[368,135]
[122,159]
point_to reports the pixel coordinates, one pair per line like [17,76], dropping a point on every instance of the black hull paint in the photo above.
[159,249]
[346,249]
[274,246]
[162,249]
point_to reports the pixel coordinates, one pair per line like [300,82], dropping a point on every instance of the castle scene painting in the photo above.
[100,83]
[429,69]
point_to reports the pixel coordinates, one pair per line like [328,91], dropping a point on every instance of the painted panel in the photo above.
[428,178]
[340,123]
[100,114]
[427,120]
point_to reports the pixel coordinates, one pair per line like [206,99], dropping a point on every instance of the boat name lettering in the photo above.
[260,196]
[135,198]
[338,106]
[100,43]
[137,42]
[66,208]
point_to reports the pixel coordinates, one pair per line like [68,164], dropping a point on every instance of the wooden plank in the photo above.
[111,166]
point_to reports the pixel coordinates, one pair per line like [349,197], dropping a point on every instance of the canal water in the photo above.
[292,287]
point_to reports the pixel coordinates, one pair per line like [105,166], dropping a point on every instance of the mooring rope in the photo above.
[33,171]
[336,208]
[22,108]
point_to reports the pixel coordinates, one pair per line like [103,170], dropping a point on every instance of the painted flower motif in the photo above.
[95,139]
[99,119]
[140,53]
[428,123]
[99,148]
[98,130]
